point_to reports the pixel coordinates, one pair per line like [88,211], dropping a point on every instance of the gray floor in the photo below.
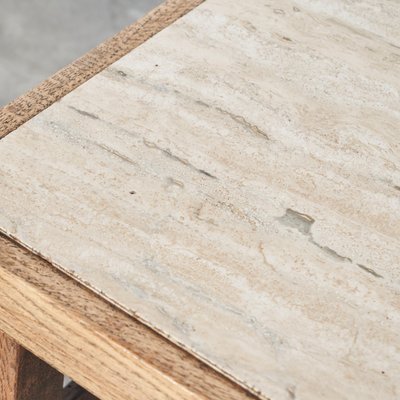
[38,37]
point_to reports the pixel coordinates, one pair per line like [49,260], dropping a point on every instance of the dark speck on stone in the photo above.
[297,220]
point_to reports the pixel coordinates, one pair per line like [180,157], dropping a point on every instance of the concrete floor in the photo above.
[38,37]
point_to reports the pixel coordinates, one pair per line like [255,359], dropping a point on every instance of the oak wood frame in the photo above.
[23,376]
[69,78]
[82,335]
[102,348]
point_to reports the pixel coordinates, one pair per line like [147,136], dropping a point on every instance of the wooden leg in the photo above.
[24,377]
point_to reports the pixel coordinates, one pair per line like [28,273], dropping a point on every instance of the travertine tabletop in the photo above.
[235,184]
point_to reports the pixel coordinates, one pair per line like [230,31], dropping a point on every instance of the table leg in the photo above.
[25,377]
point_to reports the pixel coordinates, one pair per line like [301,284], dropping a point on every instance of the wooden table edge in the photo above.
[81,334]
[69,78]
[101,347]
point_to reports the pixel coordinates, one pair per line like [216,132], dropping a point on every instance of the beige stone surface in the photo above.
[235,182]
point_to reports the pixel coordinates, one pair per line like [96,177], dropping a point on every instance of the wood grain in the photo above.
[100,347]
[248,181]
[30,104]
[23,376]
